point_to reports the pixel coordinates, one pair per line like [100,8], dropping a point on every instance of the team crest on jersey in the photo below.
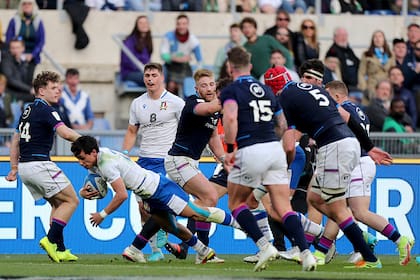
[27,112]
[163,105]
[256,90]
[144,106]
[361,114]
[304,86]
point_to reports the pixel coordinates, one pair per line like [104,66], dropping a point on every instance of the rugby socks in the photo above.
[355,236]
[310,227]
[391,233]
[278,232]
[196,244]
[309,238]
[324,244]
[55,234]
[191,227]
[247,222]
[261,217]
[140,241]
[203,231]
[220,216]
[294,228]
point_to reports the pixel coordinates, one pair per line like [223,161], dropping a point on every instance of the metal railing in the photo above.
[400,145]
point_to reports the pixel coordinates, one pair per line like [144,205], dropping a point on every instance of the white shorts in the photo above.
[260,164]
[362,178]
[42,178]
[335,163]
[181,169]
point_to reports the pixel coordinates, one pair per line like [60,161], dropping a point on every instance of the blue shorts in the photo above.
[297,167]
[156,165]
[169,197]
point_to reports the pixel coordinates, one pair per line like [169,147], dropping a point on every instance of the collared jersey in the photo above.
[112,165]
[194,131]
[36,127]
[257,108]
[357,113]
[157,120]
[310,109]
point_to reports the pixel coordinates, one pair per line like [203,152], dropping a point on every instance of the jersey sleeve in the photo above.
[133,120]
[227,94]
[52,117]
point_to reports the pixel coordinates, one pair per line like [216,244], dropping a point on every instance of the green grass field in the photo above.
[113,266]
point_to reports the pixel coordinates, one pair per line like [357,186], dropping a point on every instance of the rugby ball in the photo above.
[95,182]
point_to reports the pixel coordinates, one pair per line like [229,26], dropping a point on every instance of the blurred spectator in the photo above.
[17,71]
[412,76]
[78,12]
[244,6]
[346,6]
[235,39]
[182,5]
[283,37]
[332,69]
[105,5]
[399,48]
[29,26]
[397,80]
[374,5]
[9,4]
[140,44]
[100,123]
[396,122]
[294,6]
[357,97]
[6,116]
[269,6]
[413,35]
[375,64]
[277,59]
[260,48]
[140,5]
[211,5]
[349,62]
[282,20]
[307,45]
[176,51]
[77,102]
[47,4]
[378,108]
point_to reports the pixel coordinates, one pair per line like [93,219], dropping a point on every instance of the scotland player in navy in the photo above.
[196,129]
[30,155]
[311,110]
[358,193]
[251,118]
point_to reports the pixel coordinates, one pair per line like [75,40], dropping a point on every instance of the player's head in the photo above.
[85,149]
[337,90]
[312,72]
[205,85]
[239,61]
[276,78]
[47,86]
[153,76]
[222,83]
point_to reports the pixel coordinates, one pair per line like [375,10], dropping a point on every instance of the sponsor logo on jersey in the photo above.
[163,105]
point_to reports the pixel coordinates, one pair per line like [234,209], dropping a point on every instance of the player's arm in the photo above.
[230,121]
[14,157]
[216,146]
[130,137]
[208,108]
[289,145]
[119,197]
[67,133]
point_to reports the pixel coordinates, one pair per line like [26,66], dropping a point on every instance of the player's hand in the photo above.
[11,176]
[95,219]
[380,157]
[229,161]
[88,193]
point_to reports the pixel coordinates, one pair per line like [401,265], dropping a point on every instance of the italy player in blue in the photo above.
[30,155]
[251,118]
[358,193]
[311,110]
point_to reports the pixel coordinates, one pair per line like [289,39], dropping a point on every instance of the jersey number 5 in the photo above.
[319,96]
[261,110]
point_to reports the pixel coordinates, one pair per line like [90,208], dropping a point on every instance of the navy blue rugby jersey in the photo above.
[357,113]
[257,108]
[37,126]
[193,131]
[310,109]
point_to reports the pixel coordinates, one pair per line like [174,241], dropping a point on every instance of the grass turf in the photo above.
[14,266]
